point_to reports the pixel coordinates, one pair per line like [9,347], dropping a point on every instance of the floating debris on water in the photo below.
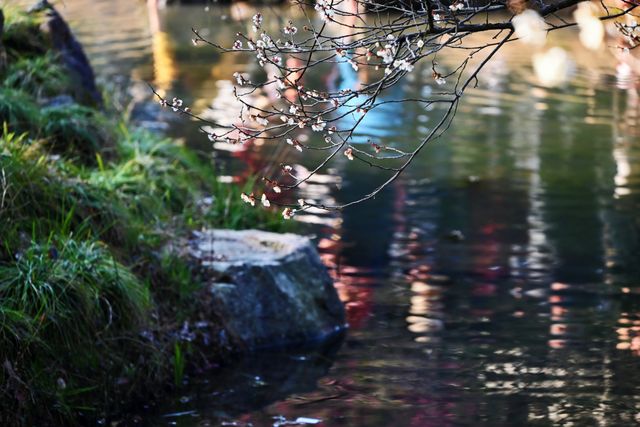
[282,421]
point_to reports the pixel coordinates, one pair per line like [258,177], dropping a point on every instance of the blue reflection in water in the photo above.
[382,121]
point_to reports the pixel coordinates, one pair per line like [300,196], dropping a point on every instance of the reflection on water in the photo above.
[497,282]
[253,382]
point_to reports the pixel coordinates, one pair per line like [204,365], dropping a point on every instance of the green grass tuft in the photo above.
[76,131]
[65,306]
[72,290]
[42,195]
[22,36]
[18,110]
[38,76]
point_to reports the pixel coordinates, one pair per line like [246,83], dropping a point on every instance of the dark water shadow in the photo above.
[252,382]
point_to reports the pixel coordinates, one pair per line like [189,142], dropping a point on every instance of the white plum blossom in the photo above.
[248,198]
[353,65]
[268,41]
[324,9]
[237,45]
[262,120]
[176,104]
[420,43]
[295,143]
[265,202]
[438,78]
[260,57]
[290,29]
[456,6]
[240,79]
[319,125]
[403,65]
[552,67]
[386,54]
[257,22]
[288,213]
[530,28]
[287,120]
[348,153]
[591,27]
[277,189]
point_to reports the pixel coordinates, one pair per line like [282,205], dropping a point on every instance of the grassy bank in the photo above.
[92,310]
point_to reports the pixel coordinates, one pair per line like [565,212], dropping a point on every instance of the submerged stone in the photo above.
[268,289]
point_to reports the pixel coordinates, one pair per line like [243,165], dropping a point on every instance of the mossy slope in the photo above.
[89,304]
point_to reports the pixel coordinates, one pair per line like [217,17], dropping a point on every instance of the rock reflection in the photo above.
[257,381]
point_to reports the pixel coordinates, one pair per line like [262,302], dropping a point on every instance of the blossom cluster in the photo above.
[282,105]
[325,9]
[257,22]
[176,105]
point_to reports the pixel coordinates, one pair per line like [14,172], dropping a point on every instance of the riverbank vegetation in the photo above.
[93,311]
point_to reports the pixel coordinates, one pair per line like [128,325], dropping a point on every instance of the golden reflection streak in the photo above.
[164,68]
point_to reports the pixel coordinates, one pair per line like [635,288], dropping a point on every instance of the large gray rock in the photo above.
[267,289]
[62,41]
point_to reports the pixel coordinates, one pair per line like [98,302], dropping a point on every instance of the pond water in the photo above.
[496,283]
